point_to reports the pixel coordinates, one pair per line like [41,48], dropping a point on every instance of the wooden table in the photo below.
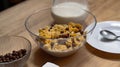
[12,23]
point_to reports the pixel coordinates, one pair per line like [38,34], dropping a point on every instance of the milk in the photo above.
[69,11]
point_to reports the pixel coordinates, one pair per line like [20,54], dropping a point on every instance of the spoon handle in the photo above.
[118,37]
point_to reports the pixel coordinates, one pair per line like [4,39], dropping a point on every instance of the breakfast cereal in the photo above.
[62,37]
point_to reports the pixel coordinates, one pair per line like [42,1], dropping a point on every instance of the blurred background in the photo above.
[4,4]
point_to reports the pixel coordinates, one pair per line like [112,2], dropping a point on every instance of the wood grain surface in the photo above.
[12,23]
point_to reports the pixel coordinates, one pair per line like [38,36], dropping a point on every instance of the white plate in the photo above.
[95,39]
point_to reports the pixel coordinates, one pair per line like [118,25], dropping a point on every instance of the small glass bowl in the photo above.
[8,44]
[45,17]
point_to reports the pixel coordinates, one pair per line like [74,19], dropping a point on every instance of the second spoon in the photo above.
[109,35]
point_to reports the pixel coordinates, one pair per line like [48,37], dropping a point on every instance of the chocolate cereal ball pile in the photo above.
[12,56]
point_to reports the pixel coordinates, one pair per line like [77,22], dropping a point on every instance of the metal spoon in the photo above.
[109,35]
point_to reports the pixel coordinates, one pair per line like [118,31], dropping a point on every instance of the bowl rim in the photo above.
[21,57]
[26,21]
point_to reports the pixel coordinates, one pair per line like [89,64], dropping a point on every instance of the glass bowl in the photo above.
[45,17]
[14,51]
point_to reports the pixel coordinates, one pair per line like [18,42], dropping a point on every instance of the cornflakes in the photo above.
[61,37]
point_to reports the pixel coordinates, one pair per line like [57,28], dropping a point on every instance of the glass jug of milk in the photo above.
[64,11]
